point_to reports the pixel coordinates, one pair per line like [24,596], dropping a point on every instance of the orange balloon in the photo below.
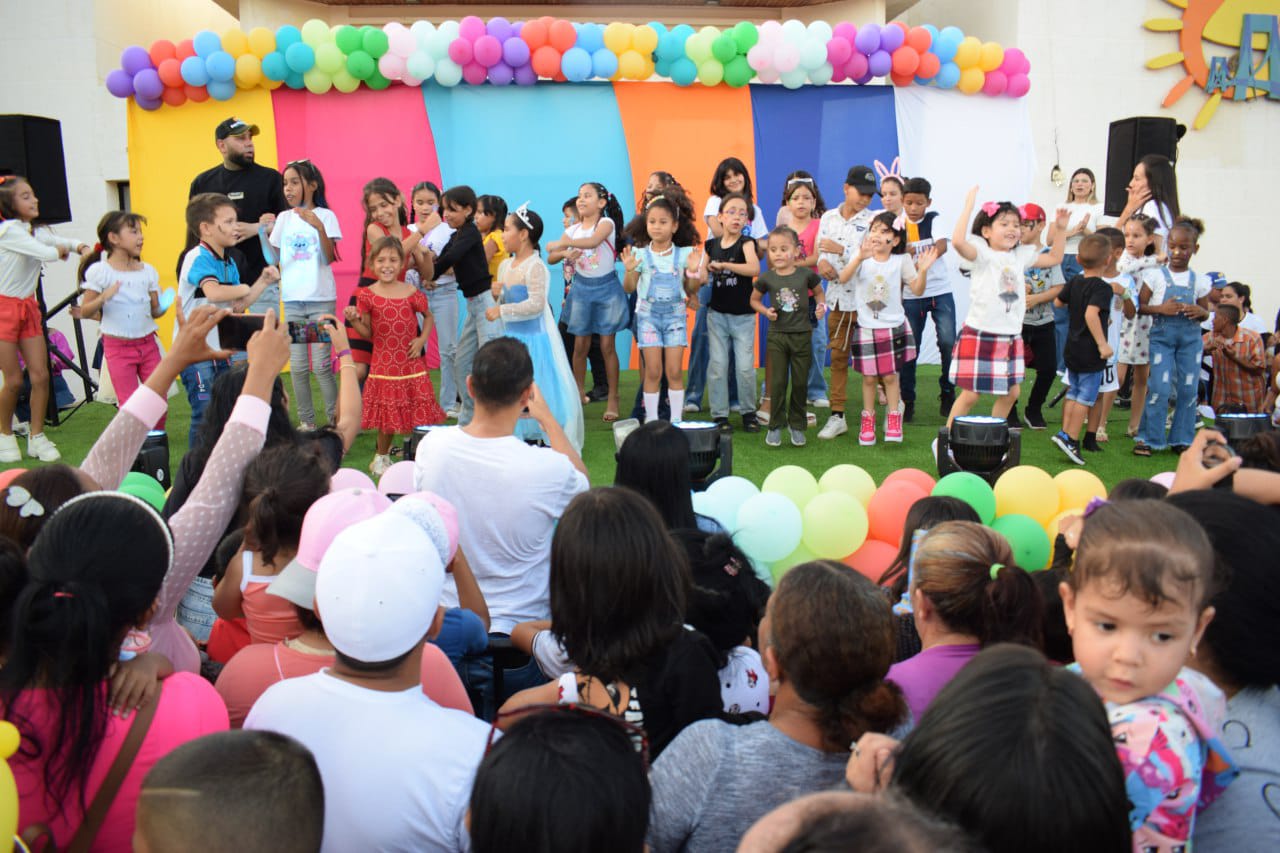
[562,35]
[7,477]
[872,560]
[902,79]
[930,65]
[919,39]
[183,49]
[162,49]
[887,511]
[535,34]
[196,94]
[170,72]
[174,96]
[546,60]
[905,61]
[920,479]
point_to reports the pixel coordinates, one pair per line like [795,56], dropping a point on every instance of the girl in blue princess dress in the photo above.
[521,288]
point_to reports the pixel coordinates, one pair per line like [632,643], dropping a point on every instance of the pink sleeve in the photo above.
[113,453]
[440,680]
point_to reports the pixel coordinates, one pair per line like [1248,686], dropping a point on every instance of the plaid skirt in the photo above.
[987,363]
[881,352]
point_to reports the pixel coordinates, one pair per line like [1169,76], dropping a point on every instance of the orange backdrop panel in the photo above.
[686,131]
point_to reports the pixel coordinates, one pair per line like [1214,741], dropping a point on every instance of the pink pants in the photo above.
[130,361]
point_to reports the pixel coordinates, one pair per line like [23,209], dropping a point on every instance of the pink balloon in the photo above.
[995,83]
[1019,85]
[398,479]
[759,57]
[1164,478]
[488,51]
[771,32]
[786,57]
[471,28]
[461,51]
[400,41]
[1015,62]
[856,66]
[838,75]
[474,73]
[838,51]
[768,75]
[846,31]
[409,80]
[391,66]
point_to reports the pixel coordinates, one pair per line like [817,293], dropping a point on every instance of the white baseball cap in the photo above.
[378,588]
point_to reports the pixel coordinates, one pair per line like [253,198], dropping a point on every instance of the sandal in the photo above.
[1141,449]
[609,416]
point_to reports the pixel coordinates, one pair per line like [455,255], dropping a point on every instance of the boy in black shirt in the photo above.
[1087,299]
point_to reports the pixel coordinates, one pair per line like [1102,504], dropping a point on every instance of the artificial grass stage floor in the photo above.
[751,458]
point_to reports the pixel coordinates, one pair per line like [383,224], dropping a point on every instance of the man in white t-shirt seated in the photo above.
[509,496]
[397,768]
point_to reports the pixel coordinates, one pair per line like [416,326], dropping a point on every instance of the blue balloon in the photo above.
[300,57]
[945,47]
[576,64]
[295,81]
[222,90]
[682,31]
[604,63]
[206,43]
[221,66]
[193,71]
[591,37]
[287,35]
[948,76]
[274,67]
[933,31]
[670,47]
[662,67]
[952,34]
[683,71]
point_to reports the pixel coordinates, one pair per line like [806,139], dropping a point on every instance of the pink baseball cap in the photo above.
[398,479]
[326,518]
[350,478]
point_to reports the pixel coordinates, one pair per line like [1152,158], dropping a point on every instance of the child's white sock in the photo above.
[650,406]
[676,400]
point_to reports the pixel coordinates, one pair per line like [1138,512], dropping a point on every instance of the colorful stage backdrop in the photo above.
[539,143]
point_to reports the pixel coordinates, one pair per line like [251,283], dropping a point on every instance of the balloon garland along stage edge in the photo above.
[318,57]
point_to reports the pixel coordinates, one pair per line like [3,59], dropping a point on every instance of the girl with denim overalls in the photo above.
[663,269]
[1176,344]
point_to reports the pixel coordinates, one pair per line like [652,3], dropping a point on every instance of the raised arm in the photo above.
[1058,247]
[349,402]
[960,236]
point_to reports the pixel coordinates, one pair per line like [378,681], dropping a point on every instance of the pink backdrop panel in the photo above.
[352,138]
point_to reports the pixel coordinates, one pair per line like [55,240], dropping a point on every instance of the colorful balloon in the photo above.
[1027,538]
[971,81]
[793,482]
[235,42]
[1019,85]
[835,525]
[849,479]
[1028,490]
[135,59]
[887,512]
[162,49]
[769,527]
[872,560]
[120,83]
[920,479]
[990,56]
[971,489]
[261,41]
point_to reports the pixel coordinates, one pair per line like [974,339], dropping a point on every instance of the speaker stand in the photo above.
[54,417]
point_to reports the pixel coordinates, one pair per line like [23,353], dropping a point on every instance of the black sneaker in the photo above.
[908,411]
[598,393]
[1034,419]
[723,423]
[1091,445]
[749,423]
[1013,420]
[1067,446]
[946,400]
[1124,402]
[1179,449]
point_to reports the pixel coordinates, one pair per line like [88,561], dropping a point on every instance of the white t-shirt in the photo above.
[1077,211]
[509,497]
[1160,213]
[397,768]
[997,291]
[1155,280]
[128,313]
[305,275]
[744,682]
[1117,318]
[597,262]
[849,233]
[1254,323]
[755,229]
[437,238]
[878,291]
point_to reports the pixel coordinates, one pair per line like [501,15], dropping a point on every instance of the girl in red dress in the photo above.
[397,395]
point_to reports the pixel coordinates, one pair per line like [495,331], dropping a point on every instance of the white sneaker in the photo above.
[835,426]
[451,414]
[821,403]
[21,427]
[40,447]
[9,450]
[691,407]
[379,465]
[810,419]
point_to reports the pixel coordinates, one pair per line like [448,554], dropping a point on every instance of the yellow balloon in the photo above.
[850,479]
[971,80]
[344,81]
[1076,487]
[248,71]
[650,67]
[1053,527]
[1028,490]
[644,39]
[991,56]
[968,53]
[261,41]
[235,42]
[617,37]
[631,65]
[9,743]
[270,85]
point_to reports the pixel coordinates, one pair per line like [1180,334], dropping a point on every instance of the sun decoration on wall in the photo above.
[1229,23]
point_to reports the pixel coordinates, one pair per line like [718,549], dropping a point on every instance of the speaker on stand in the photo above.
[1128,141]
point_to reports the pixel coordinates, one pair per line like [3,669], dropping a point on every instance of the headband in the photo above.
[150,511]
[791,181]
[522,213]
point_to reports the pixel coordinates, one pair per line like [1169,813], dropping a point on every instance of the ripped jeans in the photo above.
[1176,347]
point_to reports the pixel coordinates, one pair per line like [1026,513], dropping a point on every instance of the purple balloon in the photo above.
[856,66]
[526,76]
[517,27]
[147,84]
[515,52]
[501,74]
[868,39]
[880,63]
[863,80]
[134,59]
[891,38]
[148,103]
[501,29]
[120,83]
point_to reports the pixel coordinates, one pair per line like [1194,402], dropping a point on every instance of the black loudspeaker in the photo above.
[153,458]
[1128,141]
[31,146]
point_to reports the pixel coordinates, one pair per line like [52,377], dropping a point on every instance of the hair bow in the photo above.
[732,567]
[990,207]
[97,248]
[900,223]
[1093,506]
[22,500]
[522,213]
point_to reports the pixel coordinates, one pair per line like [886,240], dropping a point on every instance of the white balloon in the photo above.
[786,57]
[821,75]
[422,30]
[813,54]
[438,45]
[448,72]
[450,29]
[821,30]
[791,79]
[794,31]
[420,65]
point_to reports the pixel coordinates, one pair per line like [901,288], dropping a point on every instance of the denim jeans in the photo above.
[198,379]
[699,351]
[477,678]
[268,301]
[732,340]
[476,332]
[943,309]
[305,359]
[817,389]
[443,302]
[1176,348]
[1061,326]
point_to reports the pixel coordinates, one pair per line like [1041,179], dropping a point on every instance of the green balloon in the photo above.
[724,48]
[375,42]
[792,482]
[348,39]
[737,72]
[1030,543]
[360,65]
[144,487]
[971,489]
[376,81]
[698,49]
[745,36]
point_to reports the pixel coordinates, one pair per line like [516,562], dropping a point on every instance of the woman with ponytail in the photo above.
[279,487]
[827,641]
[966,593]
[95,573]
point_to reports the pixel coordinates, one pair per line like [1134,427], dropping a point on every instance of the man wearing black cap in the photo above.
[256,191]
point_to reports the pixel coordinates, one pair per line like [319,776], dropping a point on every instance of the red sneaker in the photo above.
[893,427]
[867,434]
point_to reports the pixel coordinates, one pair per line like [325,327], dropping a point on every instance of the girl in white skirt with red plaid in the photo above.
[988,355]
[881,341]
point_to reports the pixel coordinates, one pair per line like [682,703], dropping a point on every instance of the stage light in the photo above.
[981,445]
[153,458]
[1238,427]
[411,442]
[708,445]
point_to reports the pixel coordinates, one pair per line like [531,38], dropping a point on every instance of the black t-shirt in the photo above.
[254,191]
[730,292]
[1081,351]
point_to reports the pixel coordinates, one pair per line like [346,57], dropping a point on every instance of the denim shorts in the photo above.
[664,324]
[597,306]
[1084,387]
